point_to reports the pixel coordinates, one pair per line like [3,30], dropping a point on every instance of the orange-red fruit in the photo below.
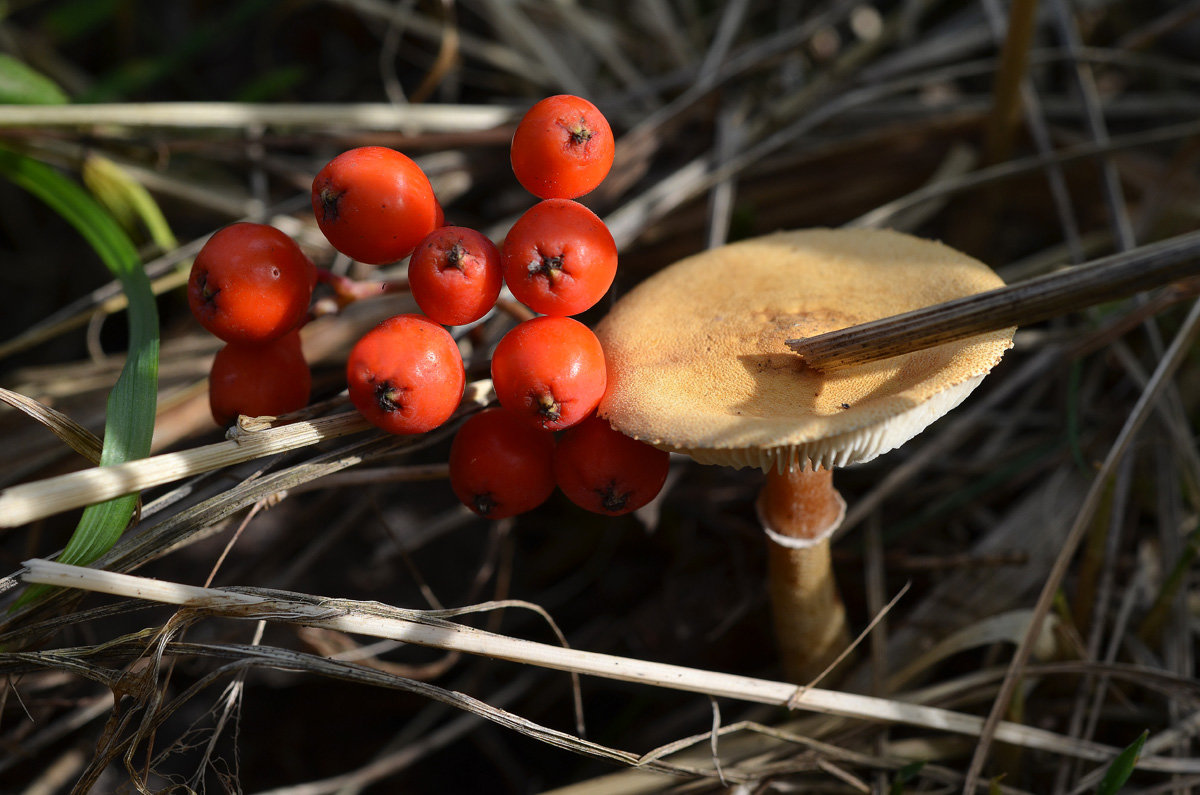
[257,379]
[454,275]
[559,258]
[250,283]
[500,466]
[550,371]
[562,148]
[406,375]
[605,471]
[374,204]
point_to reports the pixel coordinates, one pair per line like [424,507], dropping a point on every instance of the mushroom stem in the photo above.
[800,509]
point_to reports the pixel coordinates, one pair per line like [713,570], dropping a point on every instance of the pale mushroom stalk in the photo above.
[697,364]
[800,510]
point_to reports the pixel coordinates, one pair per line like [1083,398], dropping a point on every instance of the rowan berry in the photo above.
[454,275]
[562,148]
[559,258]
[374,204]
[406,375]
[605,471]
[500,466]
[250,283]
[257,379]
[550,370]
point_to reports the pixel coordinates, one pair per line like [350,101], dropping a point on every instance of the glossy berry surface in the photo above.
[374,204]
[501,466]
[562,148]
[550,371]
[406,375]
[605,471]
[559,258]
[250,283]
[257,379]
[454,275]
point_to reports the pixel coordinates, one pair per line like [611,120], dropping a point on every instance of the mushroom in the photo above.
[697,365]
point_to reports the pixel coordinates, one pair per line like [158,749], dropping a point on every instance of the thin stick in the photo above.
[237,115]
[30,501]
[411,626]
[1107,279]
[1137,416]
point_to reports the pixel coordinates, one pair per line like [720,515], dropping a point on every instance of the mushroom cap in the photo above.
[697,362]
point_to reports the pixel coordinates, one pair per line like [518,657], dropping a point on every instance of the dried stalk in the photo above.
[429,629]
[1107,279]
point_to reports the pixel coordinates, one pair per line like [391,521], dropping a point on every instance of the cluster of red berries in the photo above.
[406,376]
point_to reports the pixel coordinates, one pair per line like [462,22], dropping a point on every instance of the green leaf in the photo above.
[129,423]
[903,776]
[130,204]
[1121,768]
[22,85]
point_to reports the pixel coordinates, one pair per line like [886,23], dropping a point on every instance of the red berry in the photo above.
[250,283]
[605,471]
[406,375]
[374,204]
[500,466]
[257,379]
[562,148]
[550,370]
[559,258]
[454,275]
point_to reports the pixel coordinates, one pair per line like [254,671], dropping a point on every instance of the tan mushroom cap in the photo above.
[697,362]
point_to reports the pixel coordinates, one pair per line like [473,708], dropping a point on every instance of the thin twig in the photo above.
[1106,279]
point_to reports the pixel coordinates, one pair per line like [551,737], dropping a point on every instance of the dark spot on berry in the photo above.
[580,133]
[455,256]
[274,272]
[485,503]
[548,266]
[610,499]
[388,396]
[207,293]
[547,408]
[330,202]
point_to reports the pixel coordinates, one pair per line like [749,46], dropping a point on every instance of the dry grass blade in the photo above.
[79,438]
[1137,416]
[1044,297]
[239,115]
[421,628]
[30,501]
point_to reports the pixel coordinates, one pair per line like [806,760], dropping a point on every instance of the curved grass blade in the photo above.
[1121,767]
[129,423]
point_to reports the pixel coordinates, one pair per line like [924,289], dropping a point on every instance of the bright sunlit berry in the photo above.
[250,283]
[562,148]
[374,204]
[550,371]
[559,258]
[454,275]
[406,375]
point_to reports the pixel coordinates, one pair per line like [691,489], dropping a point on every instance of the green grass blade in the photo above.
[129,423]
[1121,767]
[22,85]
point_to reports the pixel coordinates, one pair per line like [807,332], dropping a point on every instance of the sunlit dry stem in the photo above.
[1054,294]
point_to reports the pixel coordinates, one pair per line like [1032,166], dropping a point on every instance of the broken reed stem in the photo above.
[1107,279]
[238,115]
[30,501]
[412,626]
